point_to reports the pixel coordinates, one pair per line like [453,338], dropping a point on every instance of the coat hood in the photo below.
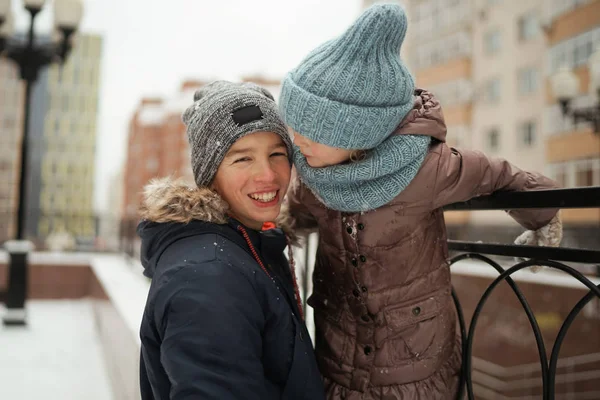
[426,118]
[172,210]
[168,200]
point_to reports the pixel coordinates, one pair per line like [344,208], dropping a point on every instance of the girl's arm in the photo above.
[464,174]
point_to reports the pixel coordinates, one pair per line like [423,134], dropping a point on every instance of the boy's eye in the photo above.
[243,159]
[278,154]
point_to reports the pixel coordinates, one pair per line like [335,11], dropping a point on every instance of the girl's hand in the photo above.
[549,236]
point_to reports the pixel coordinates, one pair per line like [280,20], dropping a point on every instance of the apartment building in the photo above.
[439,52]
[157,145]
[61,182]
[508,102]
[11,128]
[573,150]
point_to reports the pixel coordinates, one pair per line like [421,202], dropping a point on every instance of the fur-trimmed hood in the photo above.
[169,200]
[172,210]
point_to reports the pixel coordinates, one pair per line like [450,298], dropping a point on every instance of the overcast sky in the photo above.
[151,46]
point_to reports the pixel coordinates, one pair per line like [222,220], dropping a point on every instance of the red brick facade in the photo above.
[157,145]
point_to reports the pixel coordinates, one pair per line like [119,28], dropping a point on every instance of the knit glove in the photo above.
[549,235]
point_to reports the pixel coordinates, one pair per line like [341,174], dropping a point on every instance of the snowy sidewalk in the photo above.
[58,355]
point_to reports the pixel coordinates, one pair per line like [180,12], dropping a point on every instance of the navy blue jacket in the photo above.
[216,326]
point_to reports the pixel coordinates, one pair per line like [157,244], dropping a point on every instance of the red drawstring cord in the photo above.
[293,269]
[262,266]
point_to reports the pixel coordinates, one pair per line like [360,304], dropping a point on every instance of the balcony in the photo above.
[524,335]
[573,22]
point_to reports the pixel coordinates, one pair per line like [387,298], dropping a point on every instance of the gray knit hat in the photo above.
[352,91]
[222,113]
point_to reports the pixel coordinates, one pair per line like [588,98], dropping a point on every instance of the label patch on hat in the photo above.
[244,115]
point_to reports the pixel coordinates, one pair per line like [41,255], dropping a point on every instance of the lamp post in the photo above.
[30,57]
[565,86]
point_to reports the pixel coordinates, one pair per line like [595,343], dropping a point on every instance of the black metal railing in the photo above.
[588,197]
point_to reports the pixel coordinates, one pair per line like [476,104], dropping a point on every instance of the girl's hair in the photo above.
[357,155]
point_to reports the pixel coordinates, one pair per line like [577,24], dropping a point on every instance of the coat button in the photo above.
[416,311]
[356,293]
[364,289]
[363,259]
[368,350]
[355,262]
[349,230]
[365,318]
[361,227]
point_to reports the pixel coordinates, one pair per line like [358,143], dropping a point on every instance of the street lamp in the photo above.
[30,57]
[565,86]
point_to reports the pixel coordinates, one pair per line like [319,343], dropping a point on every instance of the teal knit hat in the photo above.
[353,91]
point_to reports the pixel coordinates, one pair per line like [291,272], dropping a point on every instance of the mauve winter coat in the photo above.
[385,320]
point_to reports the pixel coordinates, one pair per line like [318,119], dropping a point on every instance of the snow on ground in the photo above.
[57,356]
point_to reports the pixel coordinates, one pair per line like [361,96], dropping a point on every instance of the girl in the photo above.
[374,174]
[222,320]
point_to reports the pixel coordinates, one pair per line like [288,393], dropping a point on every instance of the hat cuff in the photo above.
[338,124]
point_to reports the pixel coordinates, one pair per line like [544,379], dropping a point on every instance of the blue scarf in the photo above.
[370,183]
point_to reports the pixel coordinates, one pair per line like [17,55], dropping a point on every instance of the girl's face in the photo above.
[320,155]
[253,178]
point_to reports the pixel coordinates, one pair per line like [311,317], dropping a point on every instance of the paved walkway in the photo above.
[56,357]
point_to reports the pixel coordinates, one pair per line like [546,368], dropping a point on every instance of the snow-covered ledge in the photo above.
[125,286]
[118,317]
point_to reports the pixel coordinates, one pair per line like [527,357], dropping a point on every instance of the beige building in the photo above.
[11,127]
[508,102]
[61,186]
[439,52]
[573,151]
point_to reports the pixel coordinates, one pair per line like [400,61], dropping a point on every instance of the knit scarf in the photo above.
[370,183]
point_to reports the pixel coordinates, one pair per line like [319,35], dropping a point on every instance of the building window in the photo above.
[528,133]
[493,140]
[527,80]
[573,52]
[528,27]
[584,177]
[586,171]
[577,173]
[492,91]
[561,177]
[458,91]
[444,49]
[152,165]
[492,42]
[65,103]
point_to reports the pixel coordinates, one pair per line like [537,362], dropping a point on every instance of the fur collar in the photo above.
[168,200]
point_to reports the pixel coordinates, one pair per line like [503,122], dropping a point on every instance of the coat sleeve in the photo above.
[297,206]
[212,345]
[464,174]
